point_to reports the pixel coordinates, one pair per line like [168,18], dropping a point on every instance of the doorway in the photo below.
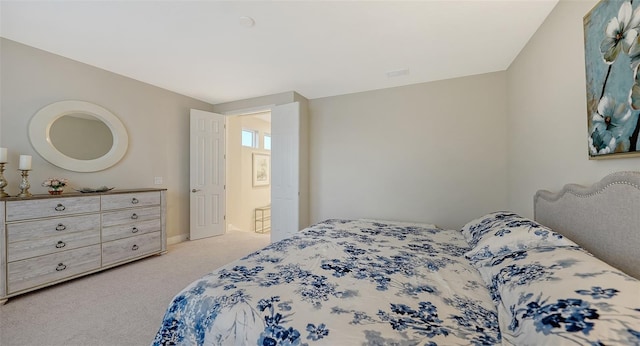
[248,172]
[288,177]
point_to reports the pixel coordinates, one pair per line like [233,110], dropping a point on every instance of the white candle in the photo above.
[3,155]
[25,162]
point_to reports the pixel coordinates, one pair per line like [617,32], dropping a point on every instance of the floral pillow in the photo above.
[562,295]
[501,233]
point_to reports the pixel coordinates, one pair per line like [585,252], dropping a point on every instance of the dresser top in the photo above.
[77,194]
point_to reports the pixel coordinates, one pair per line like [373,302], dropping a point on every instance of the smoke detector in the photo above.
[247,21]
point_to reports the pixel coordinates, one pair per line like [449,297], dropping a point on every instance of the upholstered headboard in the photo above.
[603,218]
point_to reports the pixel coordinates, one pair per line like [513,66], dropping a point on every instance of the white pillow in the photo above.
[501,233]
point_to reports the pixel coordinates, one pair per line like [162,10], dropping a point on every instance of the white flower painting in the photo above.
[612,59]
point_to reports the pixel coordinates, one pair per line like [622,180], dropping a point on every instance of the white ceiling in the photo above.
[317,48]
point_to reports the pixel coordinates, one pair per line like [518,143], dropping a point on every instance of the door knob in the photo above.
[195,190]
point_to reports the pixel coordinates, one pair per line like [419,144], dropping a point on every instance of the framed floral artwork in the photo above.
[261,169]
[612,57]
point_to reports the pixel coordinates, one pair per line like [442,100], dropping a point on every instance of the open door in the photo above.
[207,174]
[285,164]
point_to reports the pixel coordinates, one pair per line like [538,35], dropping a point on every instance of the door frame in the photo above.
[239,112]
[303,169]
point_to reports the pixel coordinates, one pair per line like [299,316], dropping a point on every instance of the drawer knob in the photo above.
[60,227]
[134,200]
[61,267]
[134,247]
[60,244]
[134,216]
[134,230]
[60,207]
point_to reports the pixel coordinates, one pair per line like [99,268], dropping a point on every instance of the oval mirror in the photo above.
[78,136]
[70,130]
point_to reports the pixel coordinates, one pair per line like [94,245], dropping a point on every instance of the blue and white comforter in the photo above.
[562,296]
[341,282]
[548,290]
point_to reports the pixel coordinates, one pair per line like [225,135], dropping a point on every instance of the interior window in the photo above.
[267,141]
[249,138]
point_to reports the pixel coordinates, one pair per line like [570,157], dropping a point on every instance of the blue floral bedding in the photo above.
[547,289]
[563,295]
[341,282]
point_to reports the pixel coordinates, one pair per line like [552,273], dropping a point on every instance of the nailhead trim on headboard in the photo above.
[597,188]
[577,194]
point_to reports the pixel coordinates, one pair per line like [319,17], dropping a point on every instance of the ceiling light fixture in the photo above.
[247,21]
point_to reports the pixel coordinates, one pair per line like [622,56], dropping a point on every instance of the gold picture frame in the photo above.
[261,172]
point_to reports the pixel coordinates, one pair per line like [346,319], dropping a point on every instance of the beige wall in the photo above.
[157,122]
[547,111]
[432,152]
[242,196]
[256,104]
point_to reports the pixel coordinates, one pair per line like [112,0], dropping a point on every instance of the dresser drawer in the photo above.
[31,230]
[43,246]
[45,269]
[48,207]
[130,216]
[132,247]
[130,230]
[130,200]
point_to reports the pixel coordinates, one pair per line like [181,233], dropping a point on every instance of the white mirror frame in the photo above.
[40,126]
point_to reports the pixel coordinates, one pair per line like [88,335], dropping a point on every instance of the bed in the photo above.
[501,279]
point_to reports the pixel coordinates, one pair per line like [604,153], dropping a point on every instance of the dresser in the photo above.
[47,239]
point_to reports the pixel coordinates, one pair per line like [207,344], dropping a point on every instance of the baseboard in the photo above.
[177,239]
[231,227]
[184,237]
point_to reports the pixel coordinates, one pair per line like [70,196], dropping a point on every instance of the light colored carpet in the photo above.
[119,306]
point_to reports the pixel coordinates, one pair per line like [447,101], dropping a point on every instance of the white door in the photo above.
[285,161]
[206,176]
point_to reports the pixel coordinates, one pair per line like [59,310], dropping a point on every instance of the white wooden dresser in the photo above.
[47,239]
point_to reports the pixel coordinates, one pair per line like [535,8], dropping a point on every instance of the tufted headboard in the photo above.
[603,218]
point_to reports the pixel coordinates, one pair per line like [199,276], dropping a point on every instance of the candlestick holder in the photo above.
[3,181]
[24,185]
